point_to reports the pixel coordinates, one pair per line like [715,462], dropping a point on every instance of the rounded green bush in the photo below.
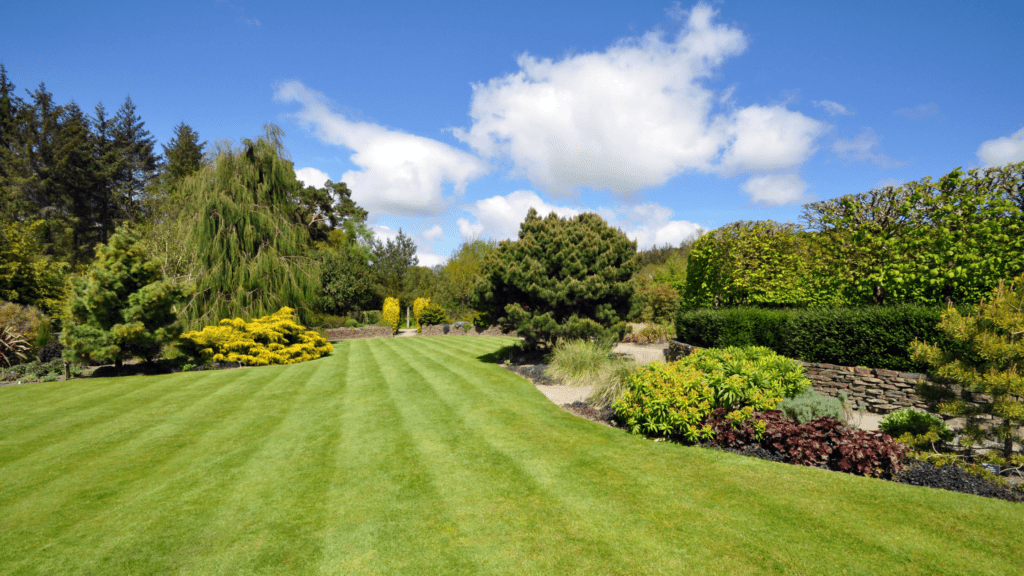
[809,405]
[915,423]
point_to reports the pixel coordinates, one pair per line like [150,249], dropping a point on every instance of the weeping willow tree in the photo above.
[251,248]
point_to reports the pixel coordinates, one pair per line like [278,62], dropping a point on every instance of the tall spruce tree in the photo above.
[252,249]
[184,153]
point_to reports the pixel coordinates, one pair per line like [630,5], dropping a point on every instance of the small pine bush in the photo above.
[391,313]
[273,339]
[809,405]
[915,423]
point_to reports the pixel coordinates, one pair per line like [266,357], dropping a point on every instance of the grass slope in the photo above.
[413,456]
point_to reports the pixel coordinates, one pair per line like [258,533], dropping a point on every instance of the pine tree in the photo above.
[563,278]
[122,307]
[986,359]
[252,250]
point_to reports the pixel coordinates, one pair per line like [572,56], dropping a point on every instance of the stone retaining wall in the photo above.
[452,330]
[878,391]
[335,334]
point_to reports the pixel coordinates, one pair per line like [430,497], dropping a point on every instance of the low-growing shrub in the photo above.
[41,371]
[824,442]
[667,400]
[915,428]
[51,351]
[808,405]
[675,399]
[273,339]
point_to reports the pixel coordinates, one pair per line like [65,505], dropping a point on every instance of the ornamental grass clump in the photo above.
[676,399]
[273,339]
[590,363]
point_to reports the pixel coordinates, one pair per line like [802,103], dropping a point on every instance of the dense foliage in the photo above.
[272,339]
[823,442]
[915,423]
[252,248]
[926,242]
[391,313]
[676,399]
[809,405]
[122,307]
[873,336]
[563,278]
[984,355]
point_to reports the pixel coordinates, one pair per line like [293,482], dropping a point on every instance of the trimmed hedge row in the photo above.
[871,336]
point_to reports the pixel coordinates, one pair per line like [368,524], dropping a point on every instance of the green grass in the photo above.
[414,456]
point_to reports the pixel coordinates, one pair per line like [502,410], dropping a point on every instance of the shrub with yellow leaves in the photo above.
[273,339]
[392,313]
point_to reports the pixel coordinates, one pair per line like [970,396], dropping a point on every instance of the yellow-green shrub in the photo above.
[391,313]
[417,306]
[28,321]
[676,399]
[273,339]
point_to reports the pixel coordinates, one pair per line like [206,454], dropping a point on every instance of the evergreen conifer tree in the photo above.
[122,308]
[563,278]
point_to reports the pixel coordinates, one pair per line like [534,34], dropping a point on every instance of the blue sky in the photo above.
[450,119]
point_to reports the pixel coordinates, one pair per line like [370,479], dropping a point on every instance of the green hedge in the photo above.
[871,336]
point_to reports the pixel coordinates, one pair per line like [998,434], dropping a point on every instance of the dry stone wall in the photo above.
[453,330]
[335,334]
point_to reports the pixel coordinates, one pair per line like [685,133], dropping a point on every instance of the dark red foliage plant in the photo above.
[823,442]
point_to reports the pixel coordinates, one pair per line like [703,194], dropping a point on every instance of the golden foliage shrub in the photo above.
[417,306]
[273,339]
[392,313]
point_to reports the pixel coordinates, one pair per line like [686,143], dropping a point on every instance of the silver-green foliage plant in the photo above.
[809,405]
[122,307]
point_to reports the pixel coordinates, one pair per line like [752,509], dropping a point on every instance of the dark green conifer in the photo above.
[563,278]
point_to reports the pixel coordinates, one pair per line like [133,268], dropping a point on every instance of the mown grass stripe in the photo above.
[412,456]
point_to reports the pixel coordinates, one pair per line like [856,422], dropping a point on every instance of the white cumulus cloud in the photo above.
[400,174]
[650,224]
[312,177]
[435,234]
[833,108]
[499,217]
[1002,151]
[633,116]
[775,189]
[862,148]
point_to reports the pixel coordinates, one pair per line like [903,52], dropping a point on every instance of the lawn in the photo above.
[416,456]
